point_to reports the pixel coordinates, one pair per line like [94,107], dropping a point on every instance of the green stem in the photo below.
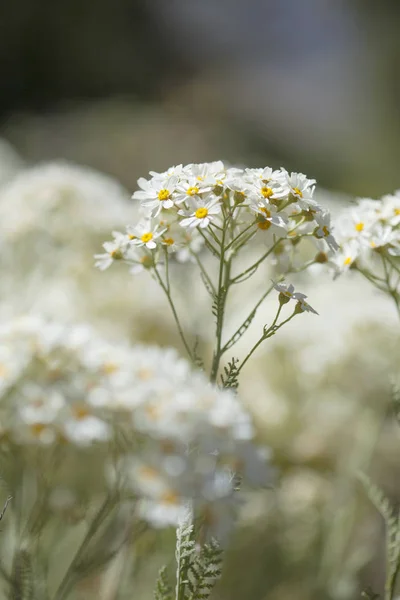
[222,291]
[391,291]
[175,314]
[255,265]
[250,316]
[203,270]
[209,245]
[69,578]
[267,334]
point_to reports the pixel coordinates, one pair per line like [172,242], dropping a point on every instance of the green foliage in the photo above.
[369,595]
[204,571]
[163,589]
[198,568]
[241,331]
[21,577]
[230,378]
[392,523]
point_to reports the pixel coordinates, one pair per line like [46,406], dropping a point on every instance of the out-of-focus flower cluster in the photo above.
[185,207]
[185,441]
[364,231]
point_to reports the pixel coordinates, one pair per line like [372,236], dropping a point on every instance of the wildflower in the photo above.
[287,293]
[156,194]
[200,214]
[300,188]
[145,233]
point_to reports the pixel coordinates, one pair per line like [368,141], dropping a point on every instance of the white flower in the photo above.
[115,250]
[200,214]
[346,256]
[287,293]
[191,188]
[145,233]
[324,230]
[300,187]
[156,193]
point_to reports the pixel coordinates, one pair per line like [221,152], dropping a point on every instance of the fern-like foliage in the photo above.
[185,548]
[240,332]
[21,576]
[163,589]
[218,303]
[230,377]
[396,399]
[392,523]
[204,571]
[198,361]
[198,568]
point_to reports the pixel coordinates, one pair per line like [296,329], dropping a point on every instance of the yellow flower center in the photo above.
[163,195]
[200,178]
[80,412]
[264,225]
[169,241]
[116,254]
[201,213]
[359,226]
[192,191]
[109,368]
[146,237]
[148,472]
[347,261]
[266,212]
[397,211]
[37,428]
[170,497]
[326,231]
[267,192]
[297,191]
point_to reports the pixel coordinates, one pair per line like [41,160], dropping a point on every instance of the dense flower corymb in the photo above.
[64,387]
[216,202]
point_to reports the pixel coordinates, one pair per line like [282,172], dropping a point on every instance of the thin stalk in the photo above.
[239,236]
[267,334]
[255,265]
[69,577]
[251,315]
[209,245]
[175,314]
[391,291]
[222,290]
[203,270]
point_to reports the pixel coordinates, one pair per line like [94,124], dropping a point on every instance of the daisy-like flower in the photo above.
[207,173]
[300,188]
[145,233]
[348,253]
[190,188]
[267,215]
[115,250]
[156,193]
[287,293]
[324,231]
[201,213]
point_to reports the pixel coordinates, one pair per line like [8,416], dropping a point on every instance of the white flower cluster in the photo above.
[187,440]
[368,228]
[180,206]
[59,201]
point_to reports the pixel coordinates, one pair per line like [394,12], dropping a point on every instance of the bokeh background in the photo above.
[128,86]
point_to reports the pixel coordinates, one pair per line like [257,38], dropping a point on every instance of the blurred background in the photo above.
[129,86]
[126,86]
